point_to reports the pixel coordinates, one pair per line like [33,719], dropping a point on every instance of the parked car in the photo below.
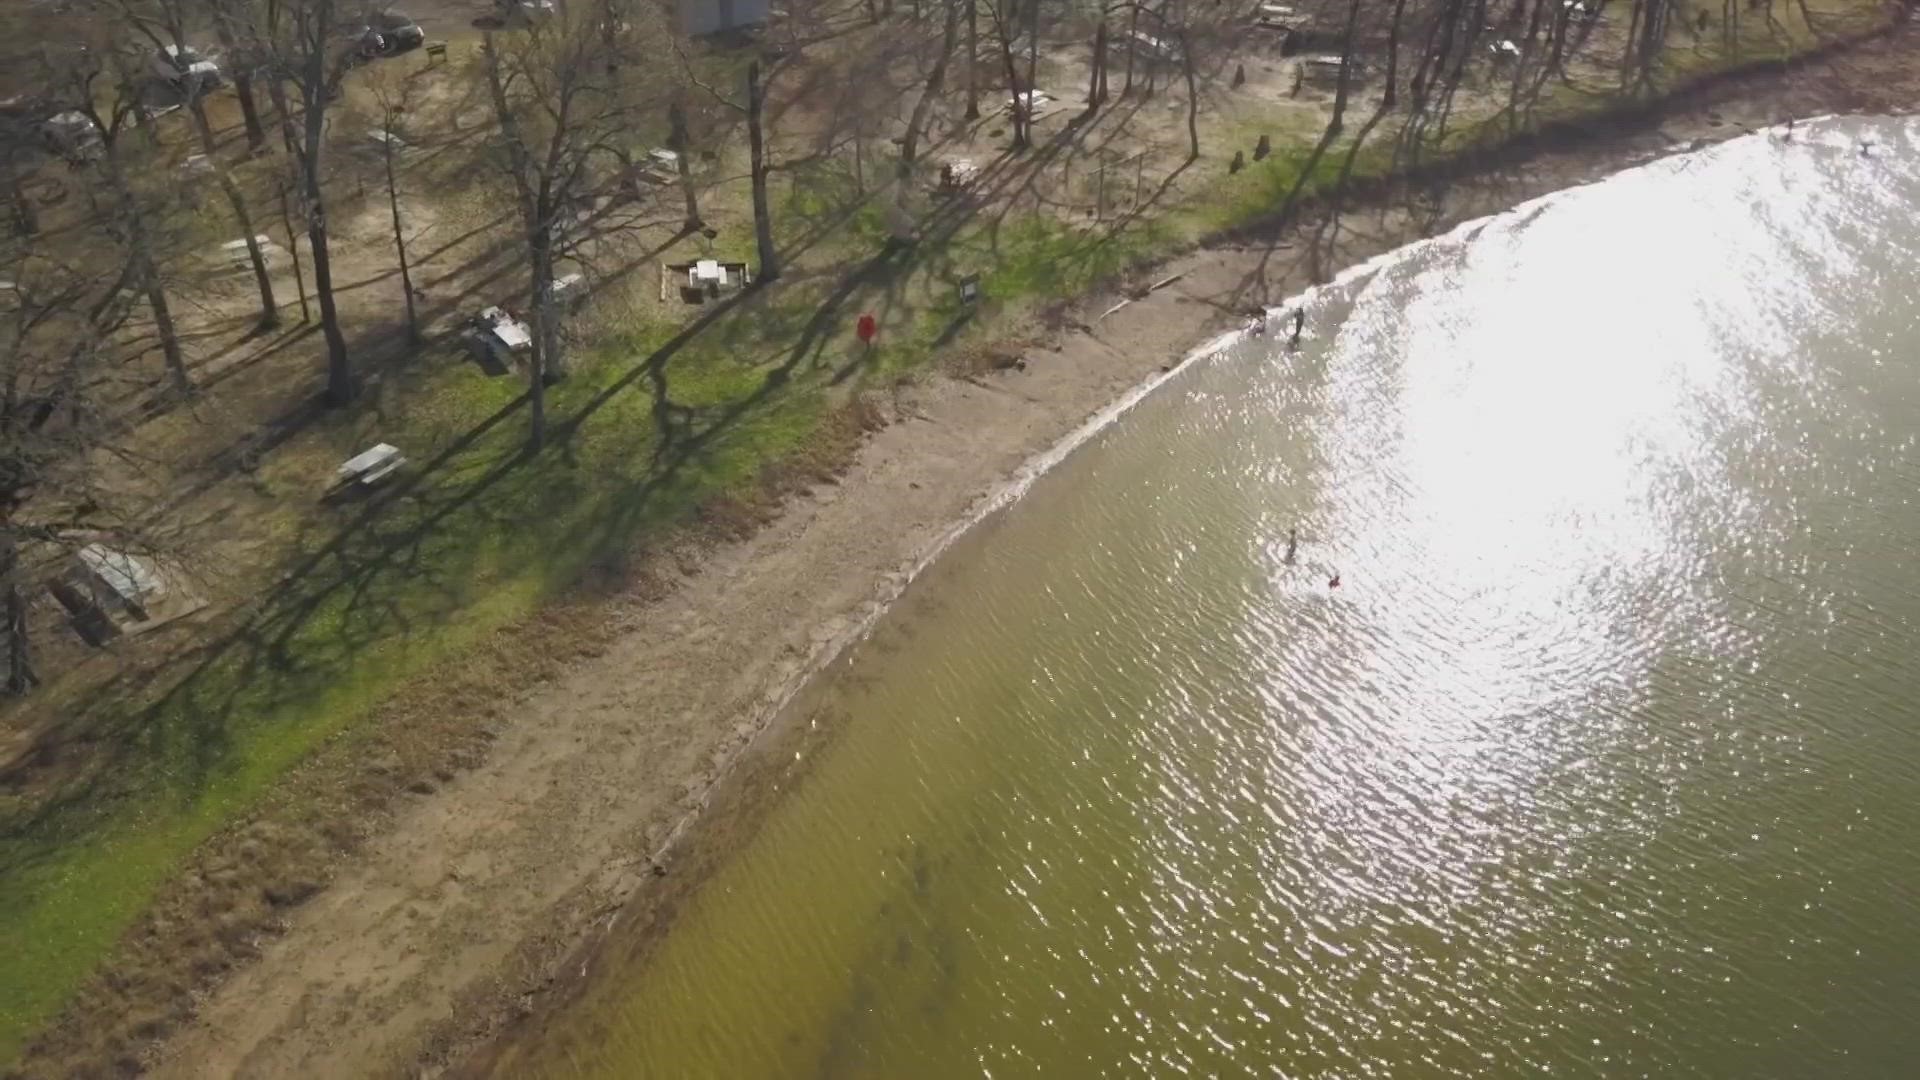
[389,33]
[180,65]
[521,12]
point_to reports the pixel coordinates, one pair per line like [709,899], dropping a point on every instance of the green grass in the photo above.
[488,535]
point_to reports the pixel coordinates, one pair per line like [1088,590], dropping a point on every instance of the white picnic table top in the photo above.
[367,461]
[510,331]
[708,270]
[132,579]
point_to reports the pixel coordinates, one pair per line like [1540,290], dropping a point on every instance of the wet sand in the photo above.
[483,899]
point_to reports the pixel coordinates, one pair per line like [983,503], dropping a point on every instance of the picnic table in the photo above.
[567,288]
[1036,102]
[130,581]
[236,255]
[661,166]
[958,173]
[703,278]
[369,466]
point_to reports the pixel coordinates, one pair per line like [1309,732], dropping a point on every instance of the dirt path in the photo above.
[473,900]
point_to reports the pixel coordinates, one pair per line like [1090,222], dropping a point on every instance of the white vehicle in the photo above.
[1152,48]
[181,66]
[521,12]
[73,135]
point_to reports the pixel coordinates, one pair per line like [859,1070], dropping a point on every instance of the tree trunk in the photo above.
[678,142]
[1133,27]
[293,251]
[340,384]
[400,238]
[277,94]
[973,59]
[1033,59]
[1193,98]
[610,45]
[1098,74]
[909,144]
[1018,104]
[163,324]
[249,112]
[242,78]
[26,222]
[269,309]
[20,674]
[757,151]
[545,337]
[140,251]
[140,244]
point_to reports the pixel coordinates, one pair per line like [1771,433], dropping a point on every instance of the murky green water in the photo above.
[1603,759]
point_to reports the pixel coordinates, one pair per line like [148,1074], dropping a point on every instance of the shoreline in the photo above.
[781,753]
[478,902]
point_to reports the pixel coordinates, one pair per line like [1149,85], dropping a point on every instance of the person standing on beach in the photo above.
[1299,324]
[1293,545]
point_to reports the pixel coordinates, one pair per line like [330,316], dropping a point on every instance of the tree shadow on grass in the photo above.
[326,638]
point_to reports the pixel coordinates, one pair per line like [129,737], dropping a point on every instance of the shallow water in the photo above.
[1601,759]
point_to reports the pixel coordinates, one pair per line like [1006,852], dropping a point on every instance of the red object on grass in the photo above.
[866,328]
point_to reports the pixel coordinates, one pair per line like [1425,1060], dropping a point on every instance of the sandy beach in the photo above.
[479,899]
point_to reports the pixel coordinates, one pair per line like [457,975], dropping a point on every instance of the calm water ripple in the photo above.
[1601,760]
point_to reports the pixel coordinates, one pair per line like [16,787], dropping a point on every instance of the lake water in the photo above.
[1602,760]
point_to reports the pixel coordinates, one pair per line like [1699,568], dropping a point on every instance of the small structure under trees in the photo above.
[110,593]
[699,18]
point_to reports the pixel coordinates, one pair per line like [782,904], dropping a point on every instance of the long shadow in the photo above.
[255,666]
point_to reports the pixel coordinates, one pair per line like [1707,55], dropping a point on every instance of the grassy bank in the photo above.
[662,430]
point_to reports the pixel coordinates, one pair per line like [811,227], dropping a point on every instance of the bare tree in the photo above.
[555,108]
[757,163]
[393,102]
[1193,96]
[301,44]
[1021,105]
[916,122]
[109,109]
[1097,74]
[681,145]
[57,439]
[1133,30]
[973,59]
[162,22]
[240,65]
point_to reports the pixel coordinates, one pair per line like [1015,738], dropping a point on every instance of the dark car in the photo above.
[389,33]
